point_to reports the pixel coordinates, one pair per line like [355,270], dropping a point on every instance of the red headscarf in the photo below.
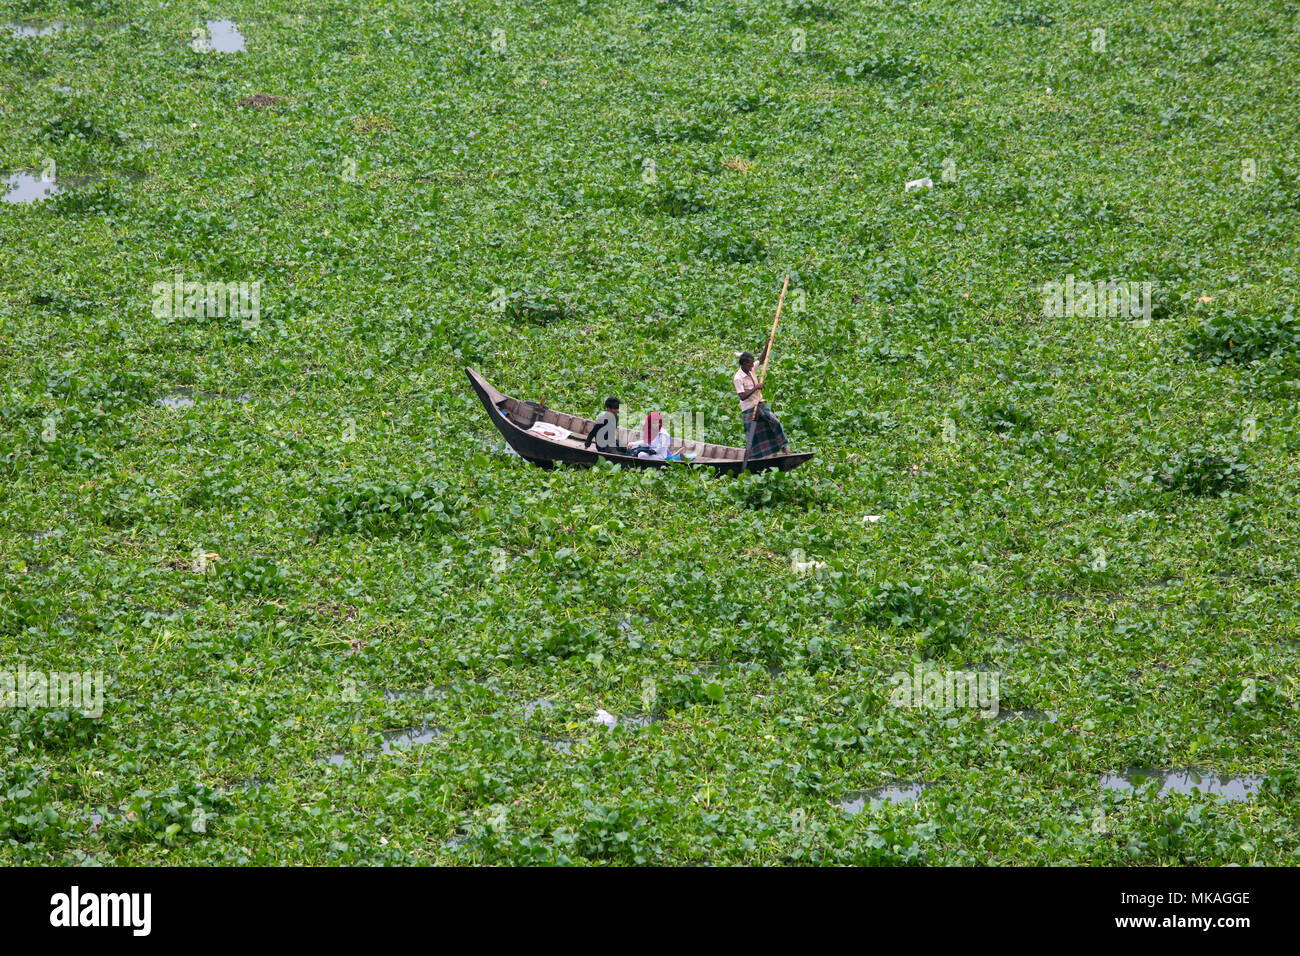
[653,422]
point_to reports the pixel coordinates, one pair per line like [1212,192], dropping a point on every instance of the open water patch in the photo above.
[186,397]
[541,703]
[416,693]
[224,37]
[859,800]
[178,398]
[404,739]
[23,188]
[34,28]
[1222,786]
[394,741]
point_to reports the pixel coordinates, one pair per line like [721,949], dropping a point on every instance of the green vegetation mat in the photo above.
[272,534]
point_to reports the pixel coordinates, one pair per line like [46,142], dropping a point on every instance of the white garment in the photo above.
[659,445]
[547,430]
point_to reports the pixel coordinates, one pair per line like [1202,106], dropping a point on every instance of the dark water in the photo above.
[1223,786]
[857,801]
[27,187]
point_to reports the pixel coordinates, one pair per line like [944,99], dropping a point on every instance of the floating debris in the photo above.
[260,101]
[1223,786]
[924,183]
[857,801]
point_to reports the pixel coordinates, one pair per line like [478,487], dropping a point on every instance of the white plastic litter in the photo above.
[925,183]
[605,717]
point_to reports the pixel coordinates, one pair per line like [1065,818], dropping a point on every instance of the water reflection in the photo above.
[35,28]
[224,36]
[26,187]
[857,801]
[1222,786]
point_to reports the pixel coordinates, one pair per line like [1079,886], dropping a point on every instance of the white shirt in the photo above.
[744,381]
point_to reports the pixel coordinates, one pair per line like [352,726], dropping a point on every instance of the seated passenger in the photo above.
[654,434]
[604,430]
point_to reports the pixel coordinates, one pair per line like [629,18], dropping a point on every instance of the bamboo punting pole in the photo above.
[767,352]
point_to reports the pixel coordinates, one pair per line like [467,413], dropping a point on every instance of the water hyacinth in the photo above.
[300,553]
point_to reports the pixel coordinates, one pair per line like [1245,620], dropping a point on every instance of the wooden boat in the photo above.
[545,436]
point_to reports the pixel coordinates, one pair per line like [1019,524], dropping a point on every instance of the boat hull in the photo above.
[544,452]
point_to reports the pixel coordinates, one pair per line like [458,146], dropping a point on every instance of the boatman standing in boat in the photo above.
[764,435]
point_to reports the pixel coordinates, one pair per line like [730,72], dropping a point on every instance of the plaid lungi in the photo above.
[764,435]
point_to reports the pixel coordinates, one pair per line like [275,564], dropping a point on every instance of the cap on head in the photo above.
[612,402]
